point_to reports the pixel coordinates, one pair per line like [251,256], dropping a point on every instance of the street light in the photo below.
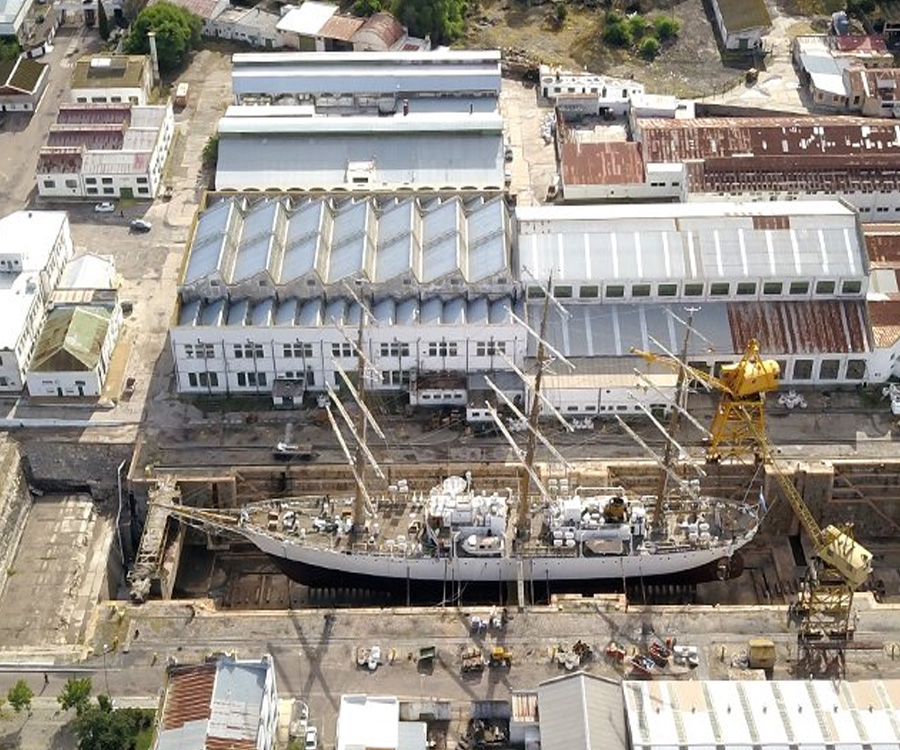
[105,673]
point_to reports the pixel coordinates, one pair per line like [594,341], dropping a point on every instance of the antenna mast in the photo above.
[523,517]
[674,420]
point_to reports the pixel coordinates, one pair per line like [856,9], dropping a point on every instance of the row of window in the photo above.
[346,350]
[699,289]
[105,100]
[829,369]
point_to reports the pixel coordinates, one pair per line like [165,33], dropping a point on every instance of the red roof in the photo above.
[859,43]
[189,695]
[340,27]
[802,327]
[387,28]
[885,318]
[613,163]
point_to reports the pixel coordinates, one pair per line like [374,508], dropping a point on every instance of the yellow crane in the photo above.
[738,429]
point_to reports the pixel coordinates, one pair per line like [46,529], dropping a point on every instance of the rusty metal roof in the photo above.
[883,245]
[829,139]
[884,316]
[188,696]
[614,163]
[858,42]
[341,27]
[808,327]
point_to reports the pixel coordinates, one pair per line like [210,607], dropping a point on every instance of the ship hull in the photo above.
[318,567]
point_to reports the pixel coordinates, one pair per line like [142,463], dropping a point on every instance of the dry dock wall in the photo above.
[15,501]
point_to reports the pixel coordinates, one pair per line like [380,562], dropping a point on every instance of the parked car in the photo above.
[312,739]
[107,207]
[139,225]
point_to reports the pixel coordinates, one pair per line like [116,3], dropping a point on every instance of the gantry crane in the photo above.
[825,602]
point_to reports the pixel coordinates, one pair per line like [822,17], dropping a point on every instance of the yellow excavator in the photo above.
[738,430]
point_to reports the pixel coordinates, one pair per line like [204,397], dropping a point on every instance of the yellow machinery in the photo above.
[742,387]
[738,430]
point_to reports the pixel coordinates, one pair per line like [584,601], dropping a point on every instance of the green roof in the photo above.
[21,74]
[71,340]
[102,71]
[743,15]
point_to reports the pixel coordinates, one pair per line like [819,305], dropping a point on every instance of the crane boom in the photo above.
[742,387]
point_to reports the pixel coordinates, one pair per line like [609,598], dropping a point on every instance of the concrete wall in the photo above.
[15,501]
[57,465]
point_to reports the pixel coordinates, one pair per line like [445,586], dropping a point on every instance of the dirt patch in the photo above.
[691,66]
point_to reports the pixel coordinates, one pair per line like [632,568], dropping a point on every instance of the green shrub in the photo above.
[666,28]
[649,48]
[616,35]
[637,26]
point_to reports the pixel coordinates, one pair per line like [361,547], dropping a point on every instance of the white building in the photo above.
[742,23]
[273,148]
[804,714]
[366,721]
[588,93]
[228,703]
[112,79]
[35,248]
[370,82]
[105,151]
[22,84]
[253,26]
[13,15]
[264,291]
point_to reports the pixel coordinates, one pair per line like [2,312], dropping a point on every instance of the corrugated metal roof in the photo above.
[772,714]
[211,240]
[259,240]
[803,327]
[341,27]
[582,712]
[615,163]
[237,702]
[657,243]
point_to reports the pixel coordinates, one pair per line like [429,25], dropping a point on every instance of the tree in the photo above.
[210,154]
[442,20]
[76,694]
[666,28]
[560,12]
[10,49]
[649,48]
[616,34]
[365,8]
[102,21]
[19,696]
[637,26]
[177,32]
[100,727]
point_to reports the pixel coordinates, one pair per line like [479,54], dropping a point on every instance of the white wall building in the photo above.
[742,23]
[253,26]
[36,246]
[105,151]
[112,79]
[366,721]
[588,93]
[13,15]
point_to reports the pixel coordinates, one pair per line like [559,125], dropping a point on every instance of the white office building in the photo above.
[34,248]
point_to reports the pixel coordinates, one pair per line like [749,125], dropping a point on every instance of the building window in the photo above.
[562,291]
[141,180]
[204,379]
[803,369]
[298,350]
[829,368]
[49,183]
[92,191]
[799,287]
[535,292]
[109,191]
[667,290]
[143,190]
[90,180]
[851,287]
[825,287]
[394,350]
[772,287]
[396,378]
[746,288]
[251,379]
[719,289]
[856,369]
[589,292]
[615,291]
[106,180]
[442,349]
[693,290]
[640,290]
[490,348]
[81,100]
[248,351]
[342,350]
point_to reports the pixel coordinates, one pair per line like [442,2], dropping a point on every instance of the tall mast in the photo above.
[359,499]
[674,419]
[523,517]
